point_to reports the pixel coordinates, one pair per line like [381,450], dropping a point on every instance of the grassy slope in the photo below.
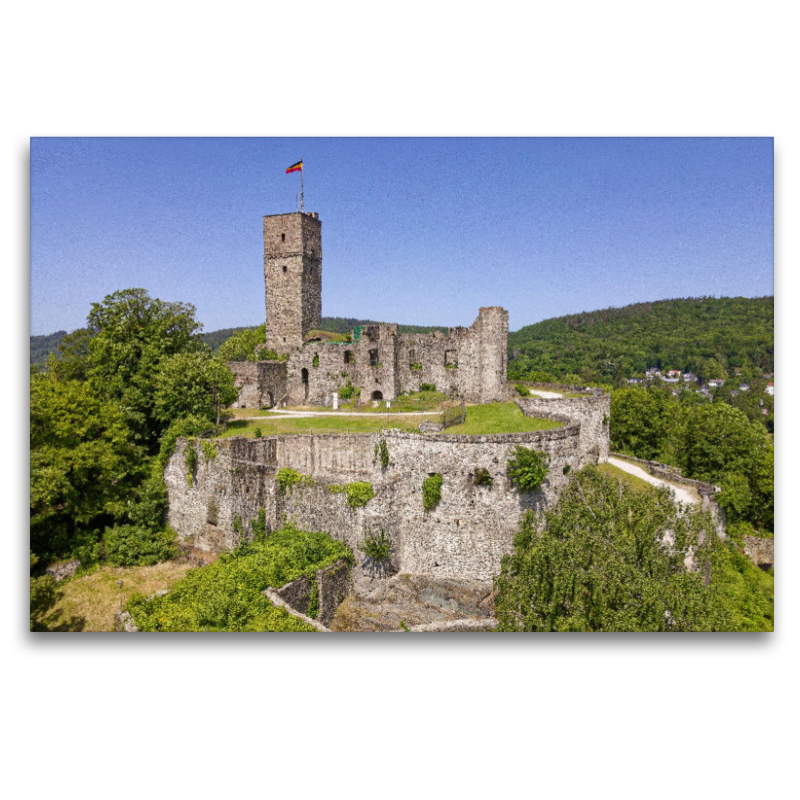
[88,603]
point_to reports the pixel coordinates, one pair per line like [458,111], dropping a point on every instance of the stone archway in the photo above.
[377,395]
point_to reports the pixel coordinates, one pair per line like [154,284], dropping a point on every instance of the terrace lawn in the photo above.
[500,418]
[280,424]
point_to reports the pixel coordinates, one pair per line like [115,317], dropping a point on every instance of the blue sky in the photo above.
[418,231]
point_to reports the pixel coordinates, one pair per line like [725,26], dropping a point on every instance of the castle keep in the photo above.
[465,362]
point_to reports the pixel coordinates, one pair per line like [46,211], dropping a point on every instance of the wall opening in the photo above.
[373,358]
[450,358]
[304,375]
[284,269]
[348,357]
[376,395]
[283,239]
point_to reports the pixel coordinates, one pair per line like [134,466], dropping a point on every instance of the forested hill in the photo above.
[42,346]
[707,336]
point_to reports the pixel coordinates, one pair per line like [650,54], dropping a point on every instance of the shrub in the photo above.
[528,468]
[209,449]
[427,387]
[359,493]
[287,478]
[190,459]
[522,391]
[347,391]
[432,491]
[257,433]
[228,595]
[376,545]
[315,360]
[482,477]
[416,366]
[381,452]
[134,545]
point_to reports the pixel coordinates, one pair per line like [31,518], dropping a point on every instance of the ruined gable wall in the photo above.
[261,384]
[479,351]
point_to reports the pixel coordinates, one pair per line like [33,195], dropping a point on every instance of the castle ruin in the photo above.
[469,362]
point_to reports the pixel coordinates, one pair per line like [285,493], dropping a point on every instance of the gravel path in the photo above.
[682,494]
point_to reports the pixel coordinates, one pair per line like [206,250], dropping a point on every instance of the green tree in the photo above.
[131,334]
[242,345]
[84,463]
[192,384]
[71,361]
[643,421]
[610,558]
[718,443]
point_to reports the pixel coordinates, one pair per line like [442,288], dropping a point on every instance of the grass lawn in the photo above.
[405,403]
[500,418]
[278,423]
[89,603]
[631,481]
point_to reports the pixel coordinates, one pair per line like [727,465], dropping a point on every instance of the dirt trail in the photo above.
[682,494]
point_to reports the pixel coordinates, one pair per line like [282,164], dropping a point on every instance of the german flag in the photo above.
[298,167]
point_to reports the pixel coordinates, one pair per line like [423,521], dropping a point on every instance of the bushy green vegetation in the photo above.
[359,493]
[137,545]
[105,415]
[500,418]
[377,545]
[287,478]
[432,491]
[707,336]
[528,468]
[712,442]
[599,563]
[228,594]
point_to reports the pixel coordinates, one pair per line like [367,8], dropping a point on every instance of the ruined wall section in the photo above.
[464,536]
[592,411]
[328,366]
[376,363]
[292,278]
[470,362]
[238,481]
[261,384]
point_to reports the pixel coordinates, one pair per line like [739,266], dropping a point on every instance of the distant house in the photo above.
[688,377]
[715,383]
[743,387]
[770,388]
[635,381]
[673,373]
[669,380]
[653,373]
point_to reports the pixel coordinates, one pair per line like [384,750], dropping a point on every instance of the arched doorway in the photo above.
[376,395]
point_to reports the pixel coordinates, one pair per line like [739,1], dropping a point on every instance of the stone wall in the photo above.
[464,536]
[760,550]
[261,384]
[592,411]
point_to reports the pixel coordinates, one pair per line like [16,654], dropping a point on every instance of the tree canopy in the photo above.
[610,558]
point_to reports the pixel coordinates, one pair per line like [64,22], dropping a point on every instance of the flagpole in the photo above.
[301,186]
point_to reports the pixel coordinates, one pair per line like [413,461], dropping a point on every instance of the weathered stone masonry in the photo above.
[468,362]
[464,536]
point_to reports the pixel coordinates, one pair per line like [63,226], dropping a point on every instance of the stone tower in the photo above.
[292,278]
